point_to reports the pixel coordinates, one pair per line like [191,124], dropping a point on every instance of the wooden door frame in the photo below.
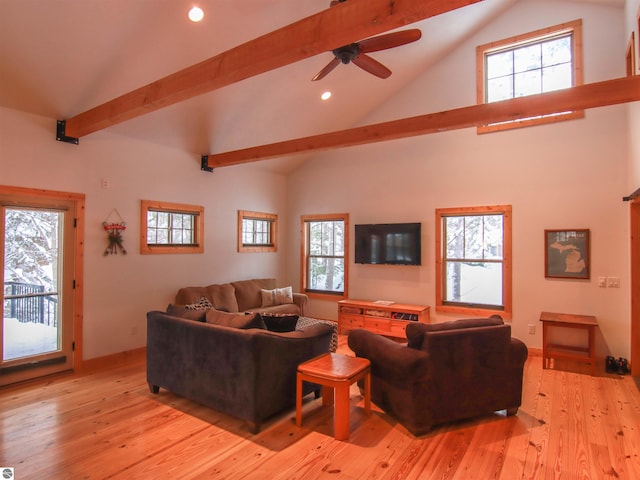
[634,214]
[78,199]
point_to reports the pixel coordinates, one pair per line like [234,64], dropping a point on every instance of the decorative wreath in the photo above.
[114,234]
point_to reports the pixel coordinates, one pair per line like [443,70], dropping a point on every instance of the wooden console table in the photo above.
[554,350]
[382,318]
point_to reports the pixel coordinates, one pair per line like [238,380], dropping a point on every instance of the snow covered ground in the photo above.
[25,339]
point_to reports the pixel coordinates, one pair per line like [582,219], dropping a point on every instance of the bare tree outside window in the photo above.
[257,232]
[324,249]
[474,246]
[473,260]
[171,228]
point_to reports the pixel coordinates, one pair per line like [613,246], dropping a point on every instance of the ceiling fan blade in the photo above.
[389,40]
[326,70]
[372,66]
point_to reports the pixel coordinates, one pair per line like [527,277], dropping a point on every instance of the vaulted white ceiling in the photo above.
[59,58]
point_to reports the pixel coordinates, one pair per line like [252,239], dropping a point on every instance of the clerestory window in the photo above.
[537,62]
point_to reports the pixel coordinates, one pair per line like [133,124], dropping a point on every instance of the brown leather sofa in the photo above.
[241,296]
[446,372]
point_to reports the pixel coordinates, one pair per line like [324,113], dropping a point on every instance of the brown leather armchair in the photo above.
[446,372]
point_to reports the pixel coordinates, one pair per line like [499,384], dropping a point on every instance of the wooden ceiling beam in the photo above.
[340,25]
[610,92]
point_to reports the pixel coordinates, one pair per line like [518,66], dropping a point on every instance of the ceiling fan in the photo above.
[357,52]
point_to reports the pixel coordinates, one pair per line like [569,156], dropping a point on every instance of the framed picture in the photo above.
[566,254]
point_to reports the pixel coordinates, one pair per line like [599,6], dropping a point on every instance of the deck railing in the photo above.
[30,303]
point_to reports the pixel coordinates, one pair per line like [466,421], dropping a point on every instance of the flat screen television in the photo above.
[388,243]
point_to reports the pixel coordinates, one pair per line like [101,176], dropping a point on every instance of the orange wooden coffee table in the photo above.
[336,373]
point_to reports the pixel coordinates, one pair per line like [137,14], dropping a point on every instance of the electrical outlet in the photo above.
[613,282]
[134,331]
[532,329]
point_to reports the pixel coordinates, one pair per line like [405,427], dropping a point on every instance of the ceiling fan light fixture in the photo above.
[196,14]
[347,53]
[357,53]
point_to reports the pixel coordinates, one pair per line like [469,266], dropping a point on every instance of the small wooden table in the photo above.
[336,373]
[553,350]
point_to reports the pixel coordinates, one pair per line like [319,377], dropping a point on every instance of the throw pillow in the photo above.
[202,304]
[279,322]
[223,297]
[234,320]
[277,296]
[188,313]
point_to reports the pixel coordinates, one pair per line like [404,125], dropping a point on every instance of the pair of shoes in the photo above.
[623,366]
[611,364]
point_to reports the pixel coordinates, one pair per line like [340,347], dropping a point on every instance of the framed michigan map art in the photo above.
[566,254]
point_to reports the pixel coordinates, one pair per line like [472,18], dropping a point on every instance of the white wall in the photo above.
[120,289]
[568,175]
[632,12]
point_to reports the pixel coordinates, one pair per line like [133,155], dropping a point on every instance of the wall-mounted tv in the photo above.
[388,243]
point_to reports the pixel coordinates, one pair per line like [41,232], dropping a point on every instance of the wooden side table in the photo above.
[567,320]
[336,373]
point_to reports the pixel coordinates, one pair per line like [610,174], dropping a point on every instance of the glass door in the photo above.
[36,337]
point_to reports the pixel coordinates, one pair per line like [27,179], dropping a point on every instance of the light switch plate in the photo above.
[613,282]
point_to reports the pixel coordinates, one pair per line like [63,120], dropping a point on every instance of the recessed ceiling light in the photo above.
[326,95]
[196,14]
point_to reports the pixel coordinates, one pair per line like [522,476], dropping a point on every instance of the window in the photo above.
[171,228]
[473,260]
[537,62]
[324,257]
[257,232]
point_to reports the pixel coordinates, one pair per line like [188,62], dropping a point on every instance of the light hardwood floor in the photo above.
[106,424]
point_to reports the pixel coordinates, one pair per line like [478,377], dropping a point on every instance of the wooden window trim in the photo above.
[506,265]
[269,217]
[630,59]
[344,217]
[574,26]
[198,211]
